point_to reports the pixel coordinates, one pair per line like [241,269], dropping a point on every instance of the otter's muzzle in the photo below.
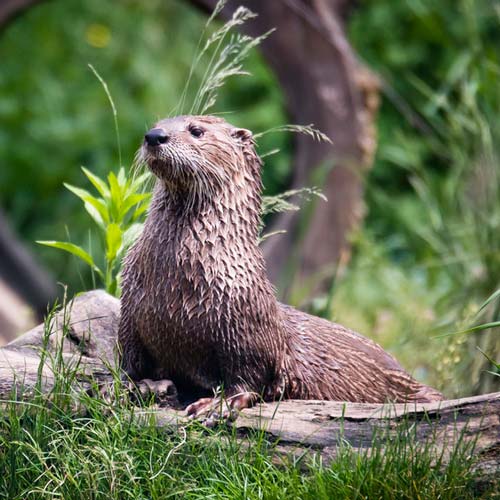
[156,136]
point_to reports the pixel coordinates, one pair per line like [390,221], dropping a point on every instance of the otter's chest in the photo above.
[182,322]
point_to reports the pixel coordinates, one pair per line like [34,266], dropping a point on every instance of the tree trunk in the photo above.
[12,8]
[324,84]
[25,288]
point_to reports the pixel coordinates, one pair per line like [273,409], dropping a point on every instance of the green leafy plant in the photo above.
[448,227]
[117,211]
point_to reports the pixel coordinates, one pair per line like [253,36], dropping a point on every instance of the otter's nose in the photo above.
[156,136]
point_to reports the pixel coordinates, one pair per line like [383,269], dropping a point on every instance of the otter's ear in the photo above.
[242,134]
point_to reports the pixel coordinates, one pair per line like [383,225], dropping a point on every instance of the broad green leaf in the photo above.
[81,193]
[112,287]
[113,241]
[131,200]
[122,178]
[114,185]
[116,196]
[140,209]
[91,210]
[98,204]
[97,182]
[73,249]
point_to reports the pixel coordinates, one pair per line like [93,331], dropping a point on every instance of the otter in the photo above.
[197,307]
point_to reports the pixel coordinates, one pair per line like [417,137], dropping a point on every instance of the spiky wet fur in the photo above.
[197,306]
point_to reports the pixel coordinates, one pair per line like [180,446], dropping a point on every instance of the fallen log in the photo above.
[85,331]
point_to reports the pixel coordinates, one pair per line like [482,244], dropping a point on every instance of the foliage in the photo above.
[440,163]
[485,327]
[422,50]
[433,194]
[117,213]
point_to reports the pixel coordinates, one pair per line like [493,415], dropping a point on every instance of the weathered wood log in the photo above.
[324,424]
[321,428]
[86,331]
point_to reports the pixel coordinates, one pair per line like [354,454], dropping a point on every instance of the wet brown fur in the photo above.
[197,306]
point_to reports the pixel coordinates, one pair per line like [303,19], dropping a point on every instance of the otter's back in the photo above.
[329,361]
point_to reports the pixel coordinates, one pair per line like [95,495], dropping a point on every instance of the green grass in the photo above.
[64,445]
[47,453]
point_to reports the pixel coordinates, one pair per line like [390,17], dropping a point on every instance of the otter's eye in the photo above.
[196,131]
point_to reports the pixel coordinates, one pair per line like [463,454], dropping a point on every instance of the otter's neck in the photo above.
[211,243]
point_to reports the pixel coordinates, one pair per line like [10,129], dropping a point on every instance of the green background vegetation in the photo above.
[428,253]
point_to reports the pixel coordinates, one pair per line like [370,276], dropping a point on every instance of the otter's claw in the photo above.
[211,411]
[163,391]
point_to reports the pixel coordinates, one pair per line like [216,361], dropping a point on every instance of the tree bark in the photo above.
[20,271]
[321,427]
[86,331]
[324,84]
[9,9]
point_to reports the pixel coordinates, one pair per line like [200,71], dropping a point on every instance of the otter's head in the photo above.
[200,154]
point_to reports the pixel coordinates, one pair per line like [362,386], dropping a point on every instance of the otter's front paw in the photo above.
[163,392]
[217,410]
